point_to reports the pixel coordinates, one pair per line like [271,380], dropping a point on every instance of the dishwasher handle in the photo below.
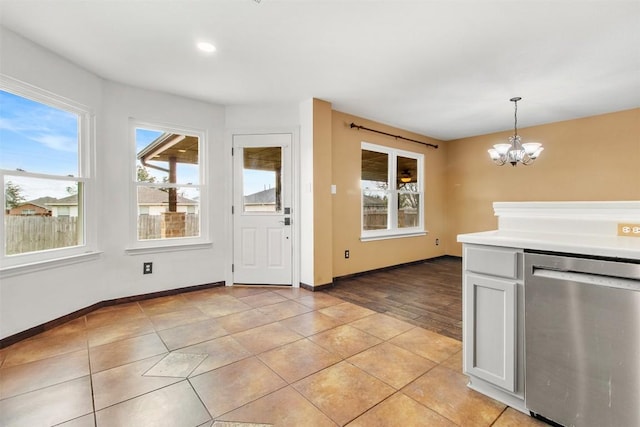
[588,278]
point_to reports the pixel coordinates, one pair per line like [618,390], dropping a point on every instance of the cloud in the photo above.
[57,142]
[54,128]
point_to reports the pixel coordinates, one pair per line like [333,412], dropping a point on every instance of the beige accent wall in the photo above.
[322,201]
[593,158]
[346,210]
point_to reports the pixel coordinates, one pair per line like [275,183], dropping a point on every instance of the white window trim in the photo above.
[34,261]
[393,231]
[177,243]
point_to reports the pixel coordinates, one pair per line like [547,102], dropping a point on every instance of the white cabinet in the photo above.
[493,333]
[490,350]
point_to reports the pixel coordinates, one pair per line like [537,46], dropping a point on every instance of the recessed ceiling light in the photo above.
[206,47]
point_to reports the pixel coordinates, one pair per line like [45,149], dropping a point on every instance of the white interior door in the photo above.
[262,209]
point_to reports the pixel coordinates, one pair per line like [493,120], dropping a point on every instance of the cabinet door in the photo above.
[489,330]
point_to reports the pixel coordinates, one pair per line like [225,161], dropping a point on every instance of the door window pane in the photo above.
[262,179]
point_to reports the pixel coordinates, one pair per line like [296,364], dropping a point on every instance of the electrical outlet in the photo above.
[437,242]
[147,267]
[631,230]
[346,254]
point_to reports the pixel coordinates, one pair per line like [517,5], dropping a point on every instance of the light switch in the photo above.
[334,190]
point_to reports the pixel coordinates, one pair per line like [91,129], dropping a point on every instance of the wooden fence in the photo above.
[38,233]
[150,226]
[377,220]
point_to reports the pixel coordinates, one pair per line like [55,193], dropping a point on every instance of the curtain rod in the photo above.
[353,125]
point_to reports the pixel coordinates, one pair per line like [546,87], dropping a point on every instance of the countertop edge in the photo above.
[605,246]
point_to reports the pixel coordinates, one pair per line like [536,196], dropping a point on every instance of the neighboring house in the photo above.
[153,201]
[30,209]
[67,206]
[262,201]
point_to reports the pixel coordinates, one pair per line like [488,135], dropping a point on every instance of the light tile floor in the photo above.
[228,356]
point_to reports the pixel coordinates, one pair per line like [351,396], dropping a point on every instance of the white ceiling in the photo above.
[441,68]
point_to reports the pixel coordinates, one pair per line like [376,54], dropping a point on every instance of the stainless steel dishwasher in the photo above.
[582,340]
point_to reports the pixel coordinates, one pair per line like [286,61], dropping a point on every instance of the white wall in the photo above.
[32,299]
[116,172]
[28,300]
[262,119]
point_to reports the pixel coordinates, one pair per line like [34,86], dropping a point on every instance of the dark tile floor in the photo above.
[269,356]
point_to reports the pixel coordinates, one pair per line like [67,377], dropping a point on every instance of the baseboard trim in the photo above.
[392,267]
[31,332]
[315,288]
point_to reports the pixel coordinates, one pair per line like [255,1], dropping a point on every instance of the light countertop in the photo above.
[595,245]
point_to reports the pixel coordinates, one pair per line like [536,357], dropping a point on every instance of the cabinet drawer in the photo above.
[499,262]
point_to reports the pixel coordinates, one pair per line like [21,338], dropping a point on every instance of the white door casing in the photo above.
[262,249]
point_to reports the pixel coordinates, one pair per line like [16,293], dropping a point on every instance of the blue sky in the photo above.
[42,139]
[36,137]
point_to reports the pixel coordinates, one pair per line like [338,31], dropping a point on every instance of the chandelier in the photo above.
[515,151]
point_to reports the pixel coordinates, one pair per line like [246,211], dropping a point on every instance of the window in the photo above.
[63,211]
[262,179]
[392,192]
[45,149]
[168,179]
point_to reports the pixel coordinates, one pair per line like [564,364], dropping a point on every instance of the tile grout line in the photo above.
[93,400]
[188,380]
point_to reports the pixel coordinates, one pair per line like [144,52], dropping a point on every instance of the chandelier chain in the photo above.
[515,119]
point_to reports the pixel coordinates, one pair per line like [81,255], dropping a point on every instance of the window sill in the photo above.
[393,236]
[168,248]
[32,267]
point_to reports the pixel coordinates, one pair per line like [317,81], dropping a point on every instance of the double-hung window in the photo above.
[392,192]
[168,197]
[45,157]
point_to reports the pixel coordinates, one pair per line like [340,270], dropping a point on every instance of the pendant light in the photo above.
[515,151]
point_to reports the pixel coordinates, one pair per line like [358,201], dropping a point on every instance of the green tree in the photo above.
[144,175]
[13,195]
[73,189]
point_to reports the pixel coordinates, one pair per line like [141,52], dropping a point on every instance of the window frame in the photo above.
[42,259]
[392,231]
[137,246]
